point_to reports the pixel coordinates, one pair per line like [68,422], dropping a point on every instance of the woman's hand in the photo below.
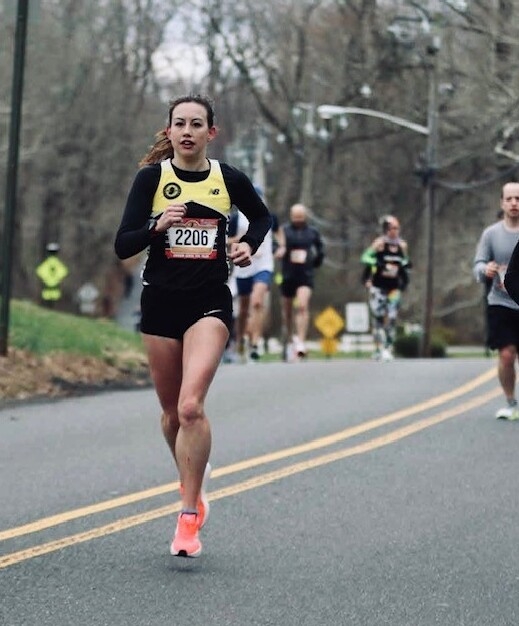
[173,214]
[240,254]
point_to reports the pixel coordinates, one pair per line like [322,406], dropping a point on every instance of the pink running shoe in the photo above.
[186,541]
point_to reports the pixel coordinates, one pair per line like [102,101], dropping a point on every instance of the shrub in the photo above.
[408,346]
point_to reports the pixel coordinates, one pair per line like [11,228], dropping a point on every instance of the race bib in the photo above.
[298,256]
[390,270]
[192,238]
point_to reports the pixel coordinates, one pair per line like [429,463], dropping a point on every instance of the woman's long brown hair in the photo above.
[162,148]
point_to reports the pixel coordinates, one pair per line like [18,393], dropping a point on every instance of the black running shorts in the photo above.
[289,286]
[170,314]
[502,327]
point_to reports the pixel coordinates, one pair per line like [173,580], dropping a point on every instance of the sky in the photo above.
[176,58]
[180,60]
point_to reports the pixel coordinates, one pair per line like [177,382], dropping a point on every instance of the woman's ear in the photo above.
[213,131]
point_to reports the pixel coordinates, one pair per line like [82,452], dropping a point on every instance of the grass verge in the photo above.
[40,331]
[52,353]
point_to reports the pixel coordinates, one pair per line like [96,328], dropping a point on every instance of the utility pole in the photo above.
[429,178]
[12,169]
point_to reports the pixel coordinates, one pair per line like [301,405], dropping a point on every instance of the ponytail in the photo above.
[160,151]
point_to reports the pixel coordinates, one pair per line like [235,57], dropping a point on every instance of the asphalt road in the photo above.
[345,493]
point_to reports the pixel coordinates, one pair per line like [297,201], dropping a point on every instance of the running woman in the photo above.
[178,208]
[385,275]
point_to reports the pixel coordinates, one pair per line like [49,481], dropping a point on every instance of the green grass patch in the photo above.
[40,331]
[318,355]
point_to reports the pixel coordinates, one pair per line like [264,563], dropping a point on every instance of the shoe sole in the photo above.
[184,554]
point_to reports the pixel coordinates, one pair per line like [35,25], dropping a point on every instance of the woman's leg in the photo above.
[165,363]
[203,347]
[393,308]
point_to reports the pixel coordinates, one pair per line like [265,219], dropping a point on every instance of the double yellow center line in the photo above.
[257,481]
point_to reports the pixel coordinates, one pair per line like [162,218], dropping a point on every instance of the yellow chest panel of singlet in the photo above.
[211,192]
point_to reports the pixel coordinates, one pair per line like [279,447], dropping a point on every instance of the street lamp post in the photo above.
[429,176]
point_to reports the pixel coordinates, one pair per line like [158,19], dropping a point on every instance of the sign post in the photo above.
[357,320]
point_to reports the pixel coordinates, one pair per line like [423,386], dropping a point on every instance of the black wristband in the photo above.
[151,225]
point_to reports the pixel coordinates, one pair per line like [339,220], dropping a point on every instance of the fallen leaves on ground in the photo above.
[24,375]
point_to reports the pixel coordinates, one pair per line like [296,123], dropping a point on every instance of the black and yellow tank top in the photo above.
[191,255]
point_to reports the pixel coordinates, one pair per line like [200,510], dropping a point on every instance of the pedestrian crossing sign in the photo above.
[329,322]
[51,271]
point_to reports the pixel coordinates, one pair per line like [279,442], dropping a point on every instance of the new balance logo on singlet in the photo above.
[214,192]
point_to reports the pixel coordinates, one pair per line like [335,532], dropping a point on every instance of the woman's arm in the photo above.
[135,230]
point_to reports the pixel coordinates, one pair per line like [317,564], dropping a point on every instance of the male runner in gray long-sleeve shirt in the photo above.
[493,254]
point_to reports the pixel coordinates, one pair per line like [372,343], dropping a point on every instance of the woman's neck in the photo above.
[196,165]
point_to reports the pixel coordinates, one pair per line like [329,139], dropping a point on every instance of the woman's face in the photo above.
[189,132]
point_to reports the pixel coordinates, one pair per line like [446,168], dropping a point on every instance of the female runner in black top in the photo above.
[178,208]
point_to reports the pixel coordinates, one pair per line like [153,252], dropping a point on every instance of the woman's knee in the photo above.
[190,411]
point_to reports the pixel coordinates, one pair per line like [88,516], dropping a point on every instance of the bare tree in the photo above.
[90,98]
[289,54]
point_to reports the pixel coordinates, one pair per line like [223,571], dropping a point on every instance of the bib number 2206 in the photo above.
[192,239]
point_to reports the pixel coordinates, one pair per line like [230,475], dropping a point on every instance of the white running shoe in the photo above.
[387,355]
[299,347]
[289,353]
[508,413]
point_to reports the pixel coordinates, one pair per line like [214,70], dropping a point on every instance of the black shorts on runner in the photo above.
[502,327]
[170,314]
[289,286]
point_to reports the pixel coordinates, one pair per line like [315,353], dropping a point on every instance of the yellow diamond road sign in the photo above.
[329,322]
[52,271]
